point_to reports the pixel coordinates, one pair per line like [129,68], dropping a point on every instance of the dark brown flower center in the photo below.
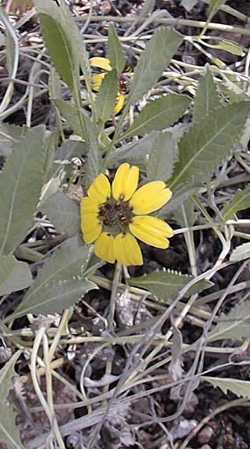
[116,214]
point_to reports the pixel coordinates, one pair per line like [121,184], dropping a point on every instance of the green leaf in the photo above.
[84,127]
[207,99]
[136,153]
[9,433]
[62,39]
[55,297]
[153,61]
[163,157]
[14,275]
[234,325]
[158,114]
[93,164]
[240,201]
[56,287]
[185,215]
[209,142]
[106,98]
[8,430]
[240,253]
[214,6]
[180,197]
[70,114]
[6,375]
[189,4]
[166,284]
[9,134]
[228,46]
[20,184]
[70,149]
[238,387]
[63,212]
[115,51]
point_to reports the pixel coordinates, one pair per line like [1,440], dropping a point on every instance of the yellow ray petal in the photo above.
[91,228]
[88,206]
[151,230]
[127,251]
[96,81]
[125,182]
[150,197]
[90,225]
[104,247]
[101,63]
[100,189]
[119,103]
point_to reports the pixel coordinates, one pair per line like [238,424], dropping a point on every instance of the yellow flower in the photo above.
[113,216]
[97,79]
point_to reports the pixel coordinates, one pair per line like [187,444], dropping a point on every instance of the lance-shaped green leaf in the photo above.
[55,297]
[106,98]
[57,285]
[153,61]
[136,152]
[9,433]
[6,375]
[63,212]
[20,185]
[14,275]
[241,252]
[209,142]
[93,164]
[207,99]
[115,51]
[62,39]
[70,113]
[166,284]
[234,325]
[238,387]
[8,430]
[158,114]
[240,201]
[162,158]
[214,6]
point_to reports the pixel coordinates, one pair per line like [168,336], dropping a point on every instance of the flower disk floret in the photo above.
[114,216]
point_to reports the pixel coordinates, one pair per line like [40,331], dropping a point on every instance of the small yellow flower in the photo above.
[113,216]
[97,79]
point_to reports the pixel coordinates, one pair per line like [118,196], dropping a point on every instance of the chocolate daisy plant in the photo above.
[114,216]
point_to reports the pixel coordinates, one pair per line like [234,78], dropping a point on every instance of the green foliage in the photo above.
[14,275]
[158,114]
[240,253]
[209,142]
[162,158]
[106,98]
[62,39]
[238,387]
[166,284]
[20,186]
[115,51]
[234,325]
[207,99]
[63,212]
[70,114]
[214,6]
[58,285]
[153,61]
[8,431]
[156,130]
[240,201]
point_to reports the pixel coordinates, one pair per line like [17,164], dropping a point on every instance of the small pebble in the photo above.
[205,435]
